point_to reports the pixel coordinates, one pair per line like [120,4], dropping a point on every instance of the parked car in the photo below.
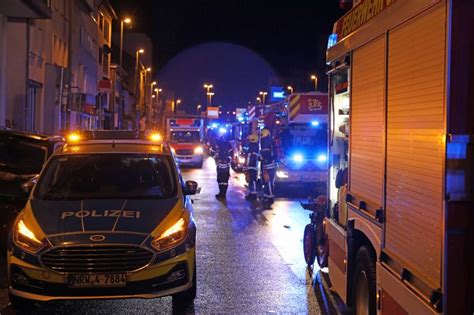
[22,156]
[70,242]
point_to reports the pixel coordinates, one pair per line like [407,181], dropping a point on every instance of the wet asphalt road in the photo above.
[249,261]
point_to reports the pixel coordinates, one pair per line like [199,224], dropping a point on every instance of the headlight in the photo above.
[26,239]
[172,236]
[282,174]
[298,158]
[322,158]
[198,150]
[173,150]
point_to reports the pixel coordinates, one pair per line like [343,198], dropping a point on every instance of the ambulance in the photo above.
[186,136]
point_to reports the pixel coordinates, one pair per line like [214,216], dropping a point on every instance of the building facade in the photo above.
[82,109]
[57,71]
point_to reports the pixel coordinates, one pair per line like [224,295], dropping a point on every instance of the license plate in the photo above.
[97,280]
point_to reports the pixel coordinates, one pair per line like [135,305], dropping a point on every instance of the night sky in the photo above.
[248,45]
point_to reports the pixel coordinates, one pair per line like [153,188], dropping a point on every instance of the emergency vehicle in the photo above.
[110,217]
[400,224]
[186,136]
[302,131]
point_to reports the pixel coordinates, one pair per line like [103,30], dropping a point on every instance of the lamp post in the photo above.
[290,88]
[259,101]
[209,94]
[315,78]
[137,54]
[126,20]
[178,101]
[152,84]
[149,107]
[198,108]
[263,96]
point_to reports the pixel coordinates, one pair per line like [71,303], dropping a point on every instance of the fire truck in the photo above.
[302,131]
[400,217]
[186,137]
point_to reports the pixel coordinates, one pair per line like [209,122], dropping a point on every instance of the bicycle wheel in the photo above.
[309,245]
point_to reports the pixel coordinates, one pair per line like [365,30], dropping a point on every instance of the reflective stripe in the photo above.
[223,183]
[269,166]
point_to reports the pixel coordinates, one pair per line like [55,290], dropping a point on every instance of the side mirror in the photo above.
[191,187]
[29,184]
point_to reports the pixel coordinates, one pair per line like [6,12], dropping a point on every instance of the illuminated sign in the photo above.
[332,40]
[213,112]
[277,93]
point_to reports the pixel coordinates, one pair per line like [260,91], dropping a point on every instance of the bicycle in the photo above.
[315,242]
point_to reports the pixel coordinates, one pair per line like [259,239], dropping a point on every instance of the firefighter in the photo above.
[251,166]
[269,166]
[223,158]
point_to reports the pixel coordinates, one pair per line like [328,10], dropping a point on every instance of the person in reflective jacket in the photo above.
[269,167]
[223,158]
[251,166]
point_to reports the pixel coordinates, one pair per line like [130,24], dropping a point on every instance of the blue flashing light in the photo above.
[322,158]
[214,125]
[240,118]
[315,123]
[298,157]
[222,130]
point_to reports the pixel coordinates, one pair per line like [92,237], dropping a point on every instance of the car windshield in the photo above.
[107,176]
[185,136]
[305,137]
[20,157]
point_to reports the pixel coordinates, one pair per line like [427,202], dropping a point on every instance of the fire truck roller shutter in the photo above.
[367,129]
[416,143]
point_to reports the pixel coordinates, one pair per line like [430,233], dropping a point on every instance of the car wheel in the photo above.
[363,285]
[187,297]
[20,304]
[309,245]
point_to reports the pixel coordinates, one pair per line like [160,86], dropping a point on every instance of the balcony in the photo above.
[32,9]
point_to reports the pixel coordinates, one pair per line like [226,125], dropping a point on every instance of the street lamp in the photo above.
[263,96]
[290,88]
[315,78]
[259,100]
[126,20]
[178,101]
[198,108]
[152,84]
[209,94]
[137,54]
[145,71]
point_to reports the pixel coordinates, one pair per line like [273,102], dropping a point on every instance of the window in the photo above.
[108,176]
[19,157]
[101,22]
[107,30]
[185,136]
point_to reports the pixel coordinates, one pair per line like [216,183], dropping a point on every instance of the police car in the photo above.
[109,217]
